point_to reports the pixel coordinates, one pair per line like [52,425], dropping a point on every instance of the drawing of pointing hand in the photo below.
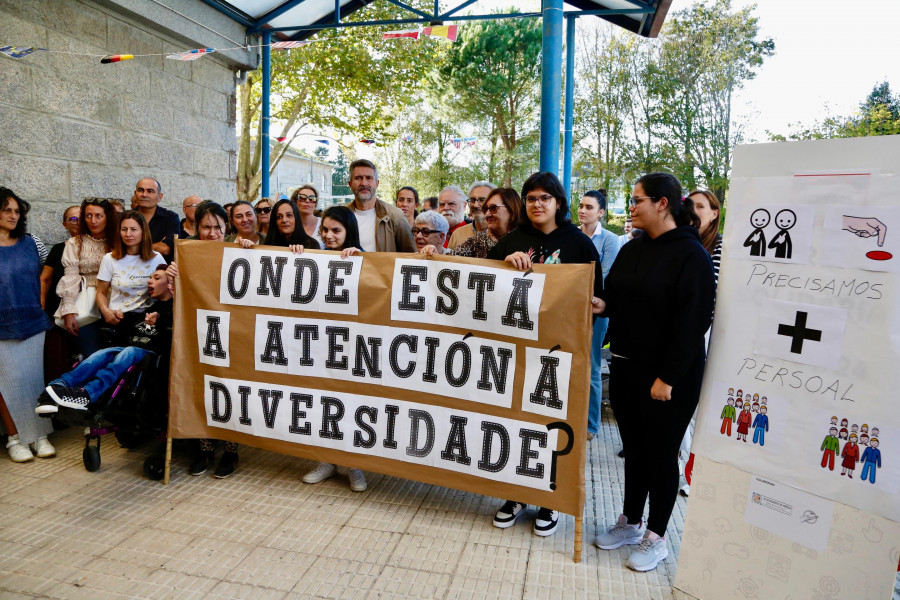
[866,227]
[873,533]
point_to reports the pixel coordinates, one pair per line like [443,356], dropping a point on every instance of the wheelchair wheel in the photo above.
[155,467]
[91,457]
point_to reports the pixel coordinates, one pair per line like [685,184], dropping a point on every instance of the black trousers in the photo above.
[651,433]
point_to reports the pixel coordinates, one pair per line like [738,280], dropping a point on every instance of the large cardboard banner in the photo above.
[458,372]
[796,489]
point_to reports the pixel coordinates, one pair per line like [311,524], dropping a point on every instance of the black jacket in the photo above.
[156,338]
[565,244]
[659,297]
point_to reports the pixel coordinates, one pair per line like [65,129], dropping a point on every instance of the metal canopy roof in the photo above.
[300,19]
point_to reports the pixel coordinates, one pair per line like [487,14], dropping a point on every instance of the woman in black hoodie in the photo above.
[546,237]
[659,298]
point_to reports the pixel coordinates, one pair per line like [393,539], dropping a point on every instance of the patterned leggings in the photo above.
[209,445]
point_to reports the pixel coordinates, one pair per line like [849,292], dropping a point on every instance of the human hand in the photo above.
[150,318]
[71,324]
[244,243]
[349,252]
[597,305]
[430,250]
[112,316]
[661,390]
[866,227]
[296,248]
[519,260]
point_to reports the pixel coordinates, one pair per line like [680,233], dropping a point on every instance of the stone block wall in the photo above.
[71,127]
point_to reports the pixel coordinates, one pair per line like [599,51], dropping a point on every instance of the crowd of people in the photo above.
[653,298]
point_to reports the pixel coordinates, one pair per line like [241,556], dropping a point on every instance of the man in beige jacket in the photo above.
[382,226]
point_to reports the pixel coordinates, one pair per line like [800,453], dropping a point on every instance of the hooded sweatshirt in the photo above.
[659,298]
[564,245]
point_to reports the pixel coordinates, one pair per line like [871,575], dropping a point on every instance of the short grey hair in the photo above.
[456,190]
[486,184]
[434,220]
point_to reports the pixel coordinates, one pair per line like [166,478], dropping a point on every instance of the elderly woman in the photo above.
[430,230]
[22,327]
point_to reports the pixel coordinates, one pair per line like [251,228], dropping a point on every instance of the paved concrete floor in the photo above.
[262,533]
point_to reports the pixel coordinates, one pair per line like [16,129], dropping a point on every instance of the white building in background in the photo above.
[296,169]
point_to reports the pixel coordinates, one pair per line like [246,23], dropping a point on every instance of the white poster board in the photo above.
[802,368]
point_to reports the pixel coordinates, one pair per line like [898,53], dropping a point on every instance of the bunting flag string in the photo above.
[191,54]
[448,32]
[19,51]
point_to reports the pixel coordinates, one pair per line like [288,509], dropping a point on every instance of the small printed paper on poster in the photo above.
[791,513]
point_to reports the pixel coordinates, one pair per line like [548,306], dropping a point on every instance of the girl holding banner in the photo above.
[546,237]
[659,298]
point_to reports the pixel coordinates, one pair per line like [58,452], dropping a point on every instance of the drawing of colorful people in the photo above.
[864,428]
[761,426]
[727,416]
[864,439]
[844,422]
[834,421]
[871,460]
[731,391]
[874,432]
[830,445]
[743,422]
[854,429]
[851,456]
[843,433]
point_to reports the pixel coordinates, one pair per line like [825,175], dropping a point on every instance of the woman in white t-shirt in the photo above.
[123,275]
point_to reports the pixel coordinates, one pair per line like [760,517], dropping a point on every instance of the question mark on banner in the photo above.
[556,453]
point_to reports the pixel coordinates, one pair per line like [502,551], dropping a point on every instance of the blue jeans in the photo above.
[101,370]
[759,436]
[600,326]
[868,470]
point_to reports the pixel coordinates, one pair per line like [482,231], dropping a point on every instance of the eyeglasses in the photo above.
[73,219]
[543,200]
[635,200]
[424,231]
[264,210]
[493,208]
[305,198]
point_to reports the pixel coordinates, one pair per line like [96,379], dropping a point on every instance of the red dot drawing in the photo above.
[879,255]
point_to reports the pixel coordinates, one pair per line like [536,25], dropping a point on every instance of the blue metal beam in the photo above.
[266,91]
[274,13]
[455,10]
[411,9]
[551,84]
[570,106]
[321,25]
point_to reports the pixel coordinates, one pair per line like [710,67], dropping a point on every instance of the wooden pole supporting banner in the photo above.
[579,525]
[168,461]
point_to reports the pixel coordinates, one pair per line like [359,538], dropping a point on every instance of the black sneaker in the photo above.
[202,463]
[546,522]
[227,465]
[46,404]
[508,513]
[69,397]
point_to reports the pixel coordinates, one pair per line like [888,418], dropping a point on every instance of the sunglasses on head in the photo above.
[264,210]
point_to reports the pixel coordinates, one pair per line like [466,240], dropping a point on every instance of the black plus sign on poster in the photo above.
[798,332]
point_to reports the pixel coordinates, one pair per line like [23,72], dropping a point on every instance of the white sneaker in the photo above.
[18,452]
[43,448]
[546,521]
[649,552]
[620,534]
[507,514]
[685,490]
[357,480]
[322,472]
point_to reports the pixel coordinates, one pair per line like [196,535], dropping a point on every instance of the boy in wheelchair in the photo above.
[142,334]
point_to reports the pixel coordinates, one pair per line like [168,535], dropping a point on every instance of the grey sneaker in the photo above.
[322,472]
[357,480]
[648,553]
[620,534]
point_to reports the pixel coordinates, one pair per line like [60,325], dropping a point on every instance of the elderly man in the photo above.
[430,230]
[451,205]
[189,207]
[163,222]
[478,193]
[382,227]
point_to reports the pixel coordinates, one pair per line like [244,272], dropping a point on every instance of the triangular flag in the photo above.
[457,142]
[115,58]
[407,33]
[289,45]
[326,142]
[17,51]
[443,31]
[191,54]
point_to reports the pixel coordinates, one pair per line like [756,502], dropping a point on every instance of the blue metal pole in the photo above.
[570,105]
[551,84]
[266,90]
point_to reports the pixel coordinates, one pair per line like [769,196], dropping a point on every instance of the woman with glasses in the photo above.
[407,200]
[263,210]
[430,230]
[306,198]
[502,211]
[547,236]
[287,229]
[82,255]
[659,298]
